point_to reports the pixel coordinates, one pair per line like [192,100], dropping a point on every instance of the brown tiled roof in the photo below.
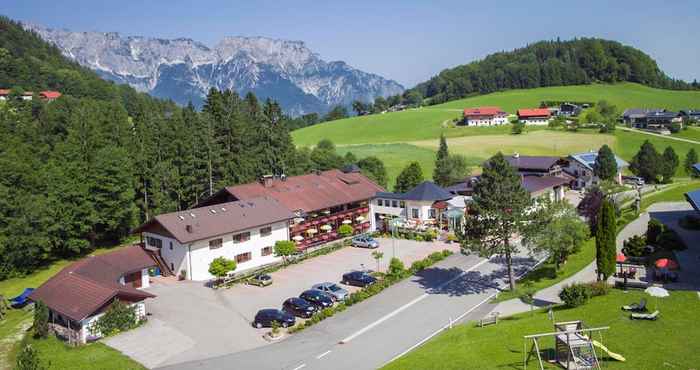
[534,184]
[527,162]
[85,286]
[311,192]
[207,222]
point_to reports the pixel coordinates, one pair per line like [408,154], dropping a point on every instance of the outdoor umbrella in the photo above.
[360,219]
[621,257]
[298,220]
[326,227]
[656,292]
[297,238]
[345,222]
[312,231]
[666,263]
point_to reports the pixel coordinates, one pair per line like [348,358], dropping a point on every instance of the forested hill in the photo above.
[549,63]
[83,170]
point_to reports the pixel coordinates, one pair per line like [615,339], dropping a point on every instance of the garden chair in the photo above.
[636,307]
[645,316]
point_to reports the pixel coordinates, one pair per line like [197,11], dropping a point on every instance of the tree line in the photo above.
[549,63]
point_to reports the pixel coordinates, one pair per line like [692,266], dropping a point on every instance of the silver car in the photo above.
[364,241]
[335,291]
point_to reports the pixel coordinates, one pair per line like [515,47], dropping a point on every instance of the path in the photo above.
[659,135]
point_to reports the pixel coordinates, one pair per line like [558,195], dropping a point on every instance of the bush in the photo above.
[654,230]
[118,317]
[396,268]
[28,359]
[575,295]
[598,288]
[41,320]
[418,266]
[635,246]
[345,230]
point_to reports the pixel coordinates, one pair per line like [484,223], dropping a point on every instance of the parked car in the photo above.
[261,280]
[317,298]
[358,278]
[265,318]
[633,180]
[338,293]
[364,241]
[299,307]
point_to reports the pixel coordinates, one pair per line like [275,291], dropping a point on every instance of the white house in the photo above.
[420,204]
[581,165]
[484,116]
[244,231]
[537,116]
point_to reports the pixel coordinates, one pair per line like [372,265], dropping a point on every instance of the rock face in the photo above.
[184,70]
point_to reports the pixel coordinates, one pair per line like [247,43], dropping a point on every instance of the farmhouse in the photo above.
[80,293]
[569,110]
[690,115]
[538,165]
[47,95]
[537,116]
[581,167]
[187,242]
[321,202]
[484,116]
[653,119]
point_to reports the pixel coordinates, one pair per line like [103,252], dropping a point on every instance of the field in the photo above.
[429,122]
[645,344]
[692,133]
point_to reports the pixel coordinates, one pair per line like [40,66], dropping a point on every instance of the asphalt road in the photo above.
[374,332]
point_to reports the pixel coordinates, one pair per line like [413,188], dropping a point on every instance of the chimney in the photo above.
[266,180]
[188,228]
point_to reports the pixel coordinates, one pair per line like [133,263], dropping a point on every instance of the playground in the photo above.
[643,344]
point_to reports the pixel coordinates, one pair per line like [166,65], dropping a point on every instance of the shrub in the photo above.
[598,288]
[41,320]
[446,253]
[654,230]
[118,317]
[396,268]
[345,230]
[28,359]
[418,238]
[575,295]
[418,266]
[635,246]
[221,266]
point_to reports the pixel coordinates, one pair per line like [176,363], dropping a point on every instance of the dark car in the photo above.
[358,278]
[299,307]
[317,298]
[265,318]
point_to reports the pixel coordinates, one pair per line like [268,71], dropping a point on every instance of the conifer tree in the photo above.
[647,163]
[605,236]
[605,166]
[690,159]
[410,177]
[669,164]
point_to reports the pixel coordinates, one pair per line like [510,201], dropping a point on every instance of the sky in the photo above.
[408,41]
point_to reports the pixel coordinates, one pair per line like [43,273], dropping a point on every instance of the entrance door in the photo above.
[133,279]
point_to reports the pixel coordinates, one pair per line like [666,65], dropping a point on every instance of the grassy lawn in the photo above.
[428,122]
[672,194]
[692,133]
[91,356]
[628,144]
[665,343]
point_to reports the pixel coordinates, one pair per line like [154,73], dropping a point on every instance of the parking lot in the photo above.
[189,321]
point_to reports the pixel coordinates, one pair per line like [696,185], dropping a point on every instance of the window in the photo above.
[380,202]
[172,267]
[266,251]
[394,203]
[154,242]
[171,245]
[216,243]
[265,231]
[242,237]
[432,213]
[244,257]
[414,212]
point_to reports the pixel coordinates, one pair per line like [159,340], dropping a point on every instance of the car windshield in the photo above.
[334,288]
[264,277]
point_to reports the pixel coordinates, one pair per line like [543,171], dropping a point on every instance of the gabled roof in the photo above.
[85,286]
[50,94]
[427,191]
[587,159]
[535,184]
[693,197]
[311,192]
[535,112]
[484,111]
[219,219]
[696,167]
[526,162]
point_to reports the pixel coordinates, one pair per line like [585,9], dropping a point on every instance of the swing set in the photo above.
[574,346]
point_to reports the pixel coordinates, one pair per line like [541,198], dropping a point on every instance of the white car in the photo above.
[333,289]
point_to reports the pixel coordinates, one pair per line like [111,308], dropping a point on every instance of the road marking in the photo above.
[409,304]
[460,317]
[300,367]
[322,355]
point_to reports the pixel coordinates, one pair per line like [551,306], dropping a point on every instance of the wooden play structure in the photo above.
[574,346]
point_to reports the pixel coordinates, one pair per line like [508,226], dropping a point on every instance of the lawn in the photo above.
[91,356]
[665,343]
[428,122]
[692,133]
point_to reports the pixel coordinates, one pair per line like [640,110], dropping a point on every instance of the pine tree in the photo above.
[669,164]
[410,177]
[498,211]
[374,169]
[691,159]
[647,163]
[605,166]
[113,194]
[605,236]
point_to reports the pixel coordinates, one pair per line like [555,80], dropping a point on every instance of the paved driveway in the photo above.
[190,322]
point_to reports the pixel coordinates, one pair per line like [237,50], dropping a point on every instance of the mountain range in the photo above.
[184,70]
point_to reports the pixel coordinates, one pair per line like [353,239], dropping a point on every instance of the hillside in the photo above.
[418,129]
[549,63]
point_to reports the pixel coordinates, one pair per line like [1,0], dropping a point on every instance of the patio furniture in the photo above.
[22,299]
[636,307]
[645,316]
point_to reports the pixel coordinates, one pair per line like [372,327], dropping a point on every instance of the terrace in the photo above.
[322,226]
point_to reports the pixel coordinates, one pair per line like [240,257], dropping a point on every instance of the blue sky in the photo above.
[408,41]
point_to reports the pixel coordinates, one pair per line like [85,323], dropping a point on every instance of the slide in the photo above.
[605,349]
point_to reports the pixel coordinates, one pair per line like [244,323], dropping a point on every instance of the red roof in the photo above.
[536,112]
[50,94]
[4,92]
[484,111]
[311,192]
[85,286]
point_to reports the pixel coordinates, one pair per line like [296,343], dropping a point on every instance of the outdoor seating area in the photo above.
[322,227]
